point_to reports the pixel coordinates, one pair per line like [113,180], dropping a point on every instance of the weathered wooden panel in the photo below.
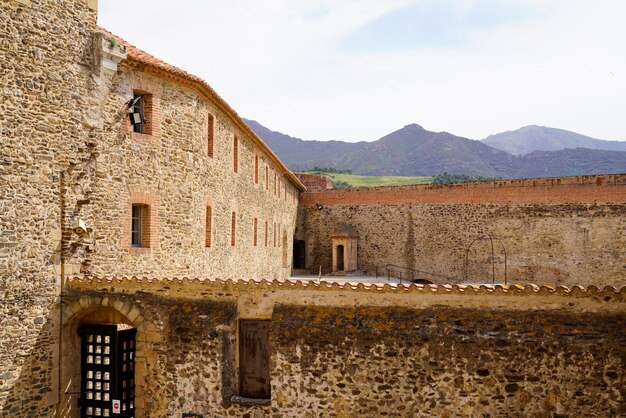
[254,356]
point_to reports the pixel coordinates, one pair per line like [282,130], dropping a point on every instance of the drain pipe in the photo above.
[62,286]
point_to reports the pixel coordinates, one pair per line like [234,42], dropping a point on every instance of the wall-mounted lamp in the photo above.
[134,111]
[319,206]
[80,228]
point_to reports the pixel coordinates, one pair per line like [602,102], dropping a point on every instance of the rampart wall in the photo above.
[344,351]
[562,230]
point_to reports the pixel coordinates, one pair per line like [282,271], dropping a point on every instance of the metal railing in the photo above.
[412,274]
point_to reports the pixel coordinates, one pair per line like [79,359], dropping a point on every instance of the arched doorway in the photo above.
[101,345]
[345,248]
[340,258]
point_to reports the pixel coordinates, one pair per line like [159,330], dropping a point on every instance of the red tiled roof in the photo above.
[142,57]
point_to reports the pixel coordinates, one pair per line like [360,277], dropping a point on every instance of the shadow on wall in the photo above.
[28,379]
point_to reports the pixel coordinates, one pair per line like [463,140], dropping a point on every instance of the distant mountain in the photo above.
[414,151]
[298,154]
[540,138]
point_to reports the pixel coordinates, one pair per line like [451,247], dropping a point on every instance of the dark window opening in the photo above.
[138,109]
[254,359]
[210,135]
[233,229]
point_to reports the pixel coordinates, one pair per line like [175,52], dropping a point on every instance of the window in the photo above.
[274,234]
[233,225]
[208,225]
[143,106]
[266,232]
[256,169]
[285,250]
[136,226]
[140,226]
[274,183]
[235,154]
[254,359]
[210,135]
[254,227]
[267,178]
[285,192]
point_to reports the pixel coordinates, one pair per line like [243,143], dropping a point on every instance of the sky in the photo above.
[359,69]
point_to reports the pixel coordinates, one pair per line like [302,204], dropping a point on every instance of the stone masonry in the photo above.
[555,231]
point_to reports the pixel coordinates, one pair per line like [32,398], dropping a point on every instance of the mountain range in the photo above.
[414,151]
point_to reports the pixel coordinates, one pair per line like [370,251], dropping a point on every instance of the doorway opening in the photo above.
[299,255]
[107,370]
[340,255]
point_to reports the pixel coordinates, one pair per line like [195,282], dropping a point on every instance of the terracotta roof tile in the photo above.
[531,289]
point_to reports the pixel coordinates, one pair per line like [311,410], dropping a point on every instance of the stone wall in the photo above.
[343,351]
[554,231]
[46,60]
[171,172]
[68,154]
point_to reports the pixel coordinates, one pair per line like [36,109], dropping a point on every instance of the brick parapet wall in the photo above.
[315,182]
[580,189]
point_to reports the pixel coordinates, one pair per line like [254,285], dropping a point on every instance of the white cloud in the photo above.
[278,61]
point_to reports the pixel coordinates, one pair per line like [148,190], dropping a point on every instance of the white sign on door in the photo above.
[117,408]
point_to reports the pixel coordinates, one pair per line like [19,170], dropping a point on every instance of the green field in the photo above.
[371,181]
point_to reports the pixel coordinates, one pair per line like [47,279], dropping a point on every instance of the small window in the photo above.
[267,178]
[285,250]
[256,169]
[254,227]
[136,226]
[233,227]
[274,234]
[208,225]
[210,135]
[266,232]
[236,154]
[285,192]
[275,183]
[254,359]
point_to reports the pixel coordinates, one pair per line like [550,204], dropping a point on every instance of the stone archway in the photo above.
[97,310]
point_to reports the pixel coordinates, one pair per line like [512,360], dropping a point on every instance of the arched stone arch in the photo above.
[90,309]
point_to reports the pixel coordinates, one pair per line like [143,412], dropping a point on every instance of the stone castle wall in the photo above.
[68,155]
[46,60]
[555,231]
[369,350]
[171,171]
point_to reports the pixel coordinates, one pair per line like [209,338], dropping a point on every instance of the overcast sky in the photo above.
[360,69]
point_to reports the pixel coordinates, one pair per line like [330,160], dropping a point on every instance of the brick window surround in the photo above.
[255,223]
[233,229]
[256,169]
[146,209]
[210,134]
[151,109]
[235,154]
[208,226]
